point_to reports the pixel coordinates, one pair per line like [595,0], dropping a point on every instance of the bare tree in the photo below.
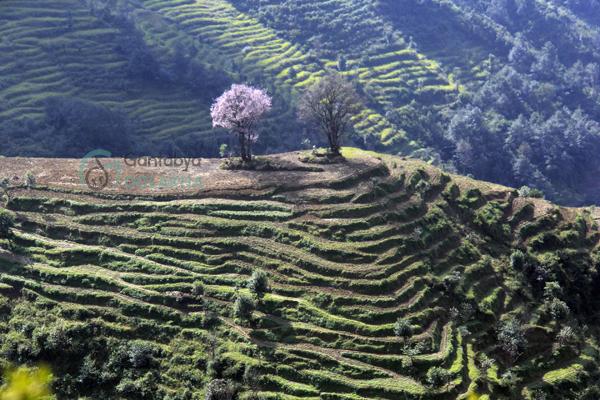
[330,104]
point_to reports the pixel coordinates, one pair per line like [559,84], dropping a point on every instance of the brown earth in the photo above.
[205,177]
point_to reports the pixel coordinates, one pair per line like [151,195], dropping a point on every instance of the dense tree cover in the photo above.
[532,121]
[84,360]
[515,128]
[543,21]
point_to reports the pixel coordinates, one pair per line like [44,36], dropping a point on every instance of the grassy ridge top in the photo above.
[348,250]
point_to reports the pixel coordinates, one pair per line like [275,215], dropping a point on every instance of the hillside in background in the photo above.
[506,91]
[385,279]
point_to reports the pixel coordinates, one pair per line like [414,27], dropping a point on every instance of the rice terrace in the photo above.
[299,200]
[348,250]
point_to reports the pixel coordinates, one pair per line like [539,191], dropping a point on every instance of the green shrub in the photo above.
[438,377]
[403,328]
[526,191]
[7,222]
[27,384]
[511,337]
[243,308]
[490,218]
[259,283]
[221,389]
[198,288]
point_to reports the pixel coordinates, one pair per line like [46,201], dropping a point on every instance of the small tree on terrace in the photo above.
[258,283]
[7,222]
[438,377]
[511,338]
[403,329]
[240,109]
[243,308]
[330,104]
[221,389]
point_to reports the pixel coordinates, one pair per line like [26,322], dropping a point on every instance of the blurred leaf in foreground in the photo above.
[27,384]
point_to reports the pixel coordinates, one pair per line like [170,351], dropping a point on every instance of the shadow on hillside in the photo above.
[242,184]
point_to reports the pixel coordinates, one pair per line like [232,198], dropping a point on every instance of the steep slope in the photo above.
[136,292]
[355,37]
[69,49]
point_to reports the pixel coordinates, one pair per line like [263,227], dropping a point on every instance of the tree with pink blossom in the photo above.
[240,109]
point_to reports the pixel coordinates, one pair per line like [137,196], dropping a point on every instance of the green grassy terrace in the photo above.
[346,256]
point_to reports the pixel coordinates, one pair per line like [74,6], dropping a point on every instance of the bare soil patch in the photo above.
[201,179]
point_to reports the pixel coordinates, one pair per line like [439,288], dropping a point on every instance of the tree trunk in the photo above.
[244,152]
[334,146]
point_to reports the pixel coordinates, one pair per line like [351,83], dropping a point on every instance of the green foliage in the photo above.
[526,191]
[259,283]
[566,337]
[220,389]
[198,288]
[491,219]
[243,307]
[518,260]
[511,337]
[7,222]
[438,377]
[27,384]
[557,309]
[403,328]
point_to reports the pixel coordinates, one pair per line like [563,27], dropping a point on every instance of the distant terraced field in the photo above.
[77,49]
[61,49]
[348,250]
[261,51]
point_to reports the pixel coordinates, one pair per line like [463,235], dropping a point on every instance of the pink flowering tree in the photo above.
[240,109]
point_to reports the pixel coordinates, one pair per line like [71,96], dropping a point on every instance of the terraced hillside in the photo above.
[155,61]
[287,66]
[382,61]
[388,280]
[63,48]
